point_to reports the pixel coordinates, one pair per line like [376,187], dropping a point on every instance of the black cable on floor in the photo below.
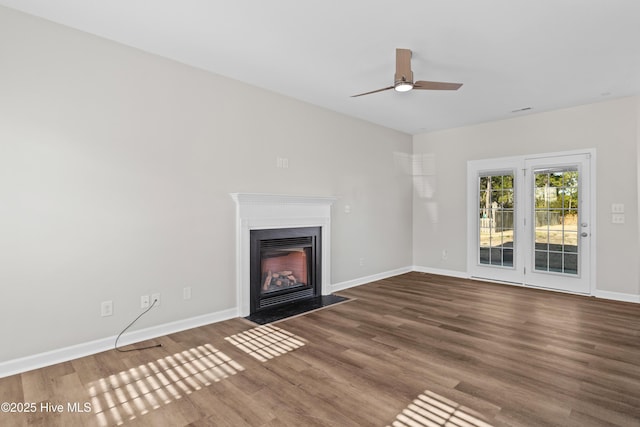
[131,324]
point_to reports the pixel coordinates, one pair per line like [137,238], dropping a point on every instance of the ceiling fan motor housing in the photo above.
[403,79]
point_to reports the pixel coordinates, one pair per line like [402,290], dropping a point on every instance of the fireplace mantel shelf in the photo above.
[287,199]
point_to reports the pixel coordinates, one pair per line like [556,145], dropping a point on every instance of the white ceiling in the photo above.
[510,54]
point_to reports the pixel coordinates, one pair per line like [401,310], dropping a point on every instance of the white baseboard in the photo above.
[24,364]
[442,272]
[36,361]
[362,280]
[617,296]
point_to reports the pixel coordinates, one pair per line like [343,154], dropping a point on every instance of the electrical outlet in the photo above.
[445,254]
[156,298]
[186,292]
[144,301]
[106,308]
[282,162]
[361,262]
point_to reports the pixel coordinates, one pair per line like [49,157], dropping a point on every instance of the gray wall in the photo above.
[115,173]
[610,127]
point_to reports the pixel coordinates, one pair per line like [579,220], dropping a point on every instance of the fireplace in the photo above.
[285,266]
[256,212]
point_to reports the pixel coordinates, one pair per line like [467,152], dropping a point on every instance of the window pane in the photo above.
[542,258]
[555,261]
[496,219]
[571,263]
[556,220]
[507,256]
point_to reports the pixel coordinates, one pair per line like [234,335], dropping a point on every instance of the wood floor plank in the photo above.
[11,389]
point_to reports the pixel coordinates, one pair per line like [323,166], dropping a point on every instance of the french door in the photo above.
[530,221]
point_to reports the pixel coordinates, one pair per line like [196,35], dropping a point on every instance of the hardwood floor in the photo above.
[413,350]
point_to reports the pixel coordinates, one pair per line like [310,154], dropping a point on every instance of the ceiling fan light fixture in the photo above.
[402,86]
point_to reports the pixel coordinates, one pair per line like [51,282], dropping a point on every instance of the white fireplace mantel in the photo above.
[259,211]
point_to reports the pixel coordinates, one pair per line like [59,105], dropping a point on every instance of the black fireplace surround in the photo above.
[285,266]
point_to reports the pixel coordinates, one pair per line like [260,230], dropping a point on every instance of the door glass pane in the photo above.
[496,219]
[556,220]
[571,263]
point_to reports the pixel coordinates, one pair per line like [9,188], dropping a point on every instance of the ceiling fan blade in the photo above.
[425,85]
[373,91]
[403,66]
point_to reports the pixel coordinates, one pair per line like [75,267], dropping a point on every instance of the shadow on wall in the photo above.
[422,169]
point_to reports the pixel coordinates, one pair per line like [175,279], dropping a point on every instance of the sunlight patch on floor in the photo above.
[266,342]
[430,409]
[129,394]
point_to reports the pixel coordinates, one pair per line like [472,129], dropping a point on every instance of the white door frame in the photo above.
[579,283]
[516,274]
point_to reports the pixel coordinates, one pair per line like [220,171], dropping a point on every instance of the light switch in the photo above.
[282,162]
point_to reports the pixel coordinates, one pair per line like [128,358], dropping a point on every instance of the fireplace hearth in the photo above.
[285,266]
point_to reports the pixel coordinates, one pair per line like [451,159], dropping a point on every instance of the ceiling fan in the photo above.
[403,81]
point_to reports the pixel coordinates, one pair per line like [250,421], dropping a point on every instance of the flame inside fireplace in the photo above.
[284,268]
